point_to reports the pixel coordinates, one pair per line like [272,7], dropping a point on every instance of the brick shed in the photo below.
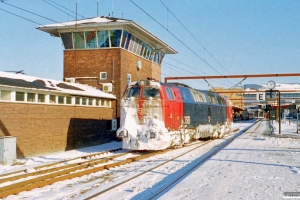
[48,116]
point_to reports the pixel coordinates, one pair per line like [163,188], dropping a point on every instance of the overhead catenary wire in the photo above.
[59,9]
[176,38]
[66,8]
[189,71]
[20,16]
[194,37]
[30,12]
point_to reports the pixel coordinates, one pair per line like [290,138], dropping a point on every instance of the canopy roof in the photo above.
[102,22]
[35,83]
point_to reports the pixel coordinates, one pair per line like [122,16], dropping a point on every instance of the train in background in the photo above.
[156,115]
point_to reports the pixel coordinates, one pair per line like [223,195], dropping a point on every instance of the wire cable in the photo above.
[66,8]
[194,37]
[20,16]
[177,38]
[59,9]
[30,12]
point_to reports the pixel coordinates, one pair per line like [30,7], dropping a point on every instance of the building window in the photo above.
[67,40]
[124,37]
[5,95]
[127,41]
[52,99]
[77,101]
[41,98]
[78,38]
[90,39]
[61,99]
[30,97]
[103,39]
[115,37]
[97,102]
[83,101]
[103,75]
[128,78]
[69,100]
[20,96]
[105,103]
[90,102]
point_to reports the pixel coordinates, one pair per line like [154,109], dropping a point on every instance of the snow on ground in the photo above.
[254,166]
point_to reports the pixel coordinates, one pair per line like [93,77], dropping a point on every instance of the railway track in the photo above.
[22,180]
[19,181]
[207,156]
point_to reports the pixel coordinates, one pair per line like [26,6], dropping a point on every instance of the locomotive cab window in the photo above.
[170,93]
[132,92]
[151,92]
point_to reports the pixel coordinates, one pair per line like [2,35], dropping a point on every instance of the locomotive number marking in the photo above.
[186,119]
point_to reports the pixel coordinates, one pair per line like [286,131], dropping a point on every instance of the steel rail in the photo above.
[15,173]
[202,161]
[140,174]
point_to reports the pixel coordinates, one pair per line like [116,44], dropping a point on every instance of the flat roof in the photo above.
[98,22]
[49,85]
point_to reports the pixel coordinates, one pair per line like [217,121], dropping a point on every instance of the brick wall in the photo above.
[116,62]
[44,129]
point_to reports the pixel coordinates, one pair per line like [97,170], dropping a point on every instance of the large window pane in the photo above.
[30,97]
[78,40]
[124,37]
[132,44]
[115,37]
[67,40]
[128,41]
[20,96]
[103,40]
[90,38]
[5,95]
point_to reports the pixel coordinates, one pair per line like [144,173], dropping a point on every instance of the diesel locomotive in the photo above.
[156,115]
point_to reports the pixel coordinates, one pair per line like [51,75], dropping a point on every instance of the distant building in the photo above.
[108,53]
[49,116]
[252,95]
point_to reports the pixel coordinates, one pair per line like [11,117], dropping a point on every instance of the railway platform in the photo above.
[256,165]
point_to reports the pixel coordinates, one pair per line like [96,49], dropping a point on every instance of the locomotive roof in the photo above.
[35,83]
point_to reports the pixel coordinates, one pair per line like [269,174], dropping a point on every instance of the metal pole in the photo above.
[279,114]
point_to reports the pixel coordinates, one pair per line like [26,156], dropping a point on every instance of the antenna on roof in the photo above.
[112,8]
[97,9]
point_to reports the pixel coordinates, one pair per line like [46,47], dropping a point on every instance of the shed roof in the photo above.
[98,22]
[35,83]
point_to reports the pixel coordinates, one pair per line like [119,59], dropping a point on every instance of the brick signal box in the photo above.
[108,53]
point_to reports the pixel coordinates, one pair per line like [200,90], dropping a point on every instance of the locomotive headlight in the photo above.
[123,134]
[152,134]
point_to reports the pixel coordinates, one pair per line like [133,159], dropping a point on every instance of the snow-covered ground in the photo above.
[254,166]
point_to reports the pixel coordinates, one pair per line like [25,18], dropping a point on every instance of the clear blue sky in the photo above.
[245,37]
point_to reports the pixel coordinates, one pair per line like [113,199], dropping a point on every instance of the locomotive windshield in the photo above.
[132,92]
[151,92]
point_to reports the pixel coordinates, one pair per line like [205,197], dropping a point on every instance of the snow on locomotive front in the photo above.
[142,126]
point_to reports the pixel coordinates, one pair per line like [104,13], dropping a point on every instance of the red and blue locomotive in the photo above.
[157,115]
